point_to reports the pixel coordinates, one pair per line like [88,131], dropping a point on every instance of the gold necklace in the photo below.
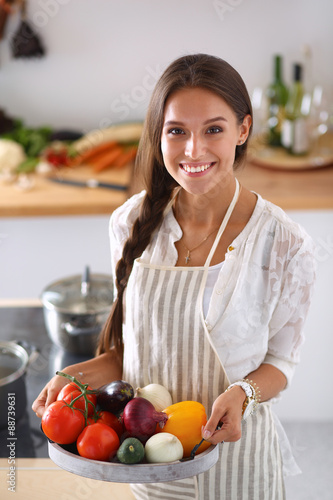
[189,251]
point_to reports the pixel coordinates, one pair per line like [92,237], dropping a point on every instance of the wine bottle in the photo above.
[294,130]
[277,95]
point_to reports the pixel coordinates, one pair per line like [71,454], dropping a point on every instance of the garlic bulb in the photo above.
[163,447]
[157,394]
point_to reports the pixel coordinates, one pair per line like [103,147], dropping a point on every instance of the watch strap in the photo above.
[247,388]
[252,394]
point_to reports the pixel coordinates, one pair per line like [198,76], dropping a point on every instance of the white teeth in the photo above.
[199,168]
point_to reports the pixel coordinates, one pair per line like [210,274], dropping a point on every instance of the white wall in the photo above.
[307,399]
[35,251]
[103,57]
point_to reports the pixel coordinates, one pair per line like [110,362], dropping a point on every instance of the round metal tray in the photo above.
[138,473]
[262,155]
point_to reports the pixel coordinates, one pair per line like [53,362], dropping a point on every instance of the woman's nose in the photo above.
[195,147]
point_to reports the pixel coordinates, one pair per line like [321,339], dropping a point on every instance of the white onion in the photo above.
[157,394]
[163,447]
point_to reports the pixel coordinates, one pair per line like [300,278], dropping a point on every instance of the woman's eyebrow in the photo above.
[172,122]
[210,120]
[216,119]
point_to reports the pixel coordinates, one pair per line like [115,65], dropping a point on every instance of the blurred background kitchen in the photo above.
[93,66]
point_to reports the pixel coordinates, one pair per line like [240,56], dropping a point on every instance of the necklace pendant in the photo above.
[187,258]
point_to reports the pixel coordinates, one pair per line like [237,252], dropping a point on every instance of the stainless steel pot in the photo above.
[14,361]
[75,310]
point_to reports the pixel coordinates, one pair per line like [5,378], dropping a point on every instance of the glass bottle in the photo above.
[294,131]
[277,96]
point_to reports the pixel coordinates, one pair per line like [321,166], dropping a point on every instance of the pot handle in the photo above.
[32,350]
[74,330]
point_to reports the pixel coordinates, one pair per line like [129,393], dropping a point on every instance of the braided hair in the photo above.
[198,70]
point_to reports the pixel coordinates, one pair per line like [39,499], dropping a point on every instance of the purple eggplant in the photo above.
[114,397]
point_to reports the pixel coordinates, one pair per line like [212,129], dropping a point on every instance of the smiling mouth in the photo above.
[196,168]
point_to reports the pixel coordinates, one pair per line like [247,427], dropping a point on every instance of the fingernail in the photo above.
[206,434]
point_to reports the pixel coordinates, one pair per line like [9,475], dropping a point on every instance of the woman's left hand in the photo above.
[227,410]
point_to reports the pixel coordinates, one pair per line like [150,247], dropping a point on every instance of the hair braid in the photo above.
[149,219]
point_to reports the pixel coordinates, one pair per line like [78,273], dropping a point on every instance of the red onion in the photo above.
[140,418]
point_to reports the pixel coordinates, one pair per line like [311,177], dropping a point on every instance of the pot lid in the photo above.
[69,296]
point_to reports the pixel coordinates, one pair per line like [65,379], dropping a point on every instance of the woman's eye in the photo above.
[214,130]
[176,131]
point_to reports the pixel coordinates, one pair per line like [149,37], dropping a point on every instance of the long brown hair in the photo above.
[198,70]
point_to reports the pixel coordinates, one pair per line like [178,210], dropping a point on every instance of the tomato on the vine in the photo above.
[62,424]
[72,391]
[108,418]
[98,442]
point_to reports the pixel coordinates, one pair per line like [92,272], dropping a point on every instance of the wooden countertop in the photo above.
[292,190]
[49,198]
[40,479]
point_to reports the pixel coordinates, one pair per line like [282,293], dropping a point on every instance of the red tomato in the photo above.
[71,391]
[62,424]
[108,418]
[98,442]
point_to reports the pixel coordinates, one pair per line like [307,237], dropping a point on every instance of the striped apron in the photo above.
[166,341]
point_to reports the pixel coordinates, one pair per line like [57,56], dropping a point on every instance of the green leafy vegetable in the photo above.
[33,140]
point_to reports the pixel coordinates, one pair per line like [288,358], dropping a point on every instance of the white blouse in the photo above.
[212,277]
[261,297]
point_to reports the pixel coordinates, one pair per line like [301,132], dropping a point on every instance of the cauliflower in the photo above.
[11,156]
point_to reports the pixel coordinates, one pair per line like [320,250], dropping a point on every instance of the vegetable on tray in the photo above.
[163,447]
[87,422]
[98,441]
[140,418]
[185,420]
[157,394]
[131,451]
[114,396]
[72,393]
[62,423]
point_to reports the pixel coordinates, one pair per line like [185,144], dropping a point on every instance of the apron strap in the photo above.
[206,269]
[223,225]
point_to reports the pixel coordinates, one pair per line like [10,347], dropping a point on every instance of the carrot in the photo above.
[108,160]
[127,156]
[87,155]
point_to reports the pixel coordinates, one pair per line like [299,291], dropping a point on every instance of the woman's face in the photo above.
[199,138]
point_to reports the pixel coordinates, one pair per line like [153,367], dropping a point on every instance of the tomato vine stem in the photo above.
[84,392]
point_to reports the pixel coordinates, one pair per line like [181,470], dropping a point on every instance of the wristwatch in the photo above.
[252,397]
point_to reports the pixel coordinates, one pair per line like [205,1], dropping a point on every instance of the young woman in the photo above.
[213,283]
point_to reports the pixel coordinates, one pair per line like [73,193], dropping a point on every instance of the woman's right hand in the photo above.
[49,394]
[96,372]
